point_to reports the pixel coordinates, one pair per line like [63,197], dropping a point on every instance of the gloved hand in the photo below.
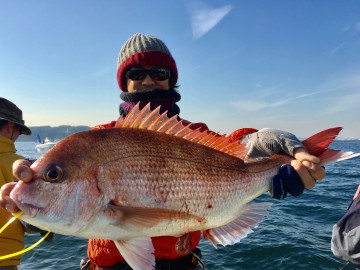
[266,142]
[50,237]
[286,181]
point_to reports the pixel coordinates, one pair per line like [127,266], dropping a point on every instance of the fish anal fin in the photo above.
[138,253]
[251,215]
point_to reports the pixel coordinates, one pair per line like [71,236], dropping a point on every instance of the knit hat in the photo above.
[144,50]
[10,112]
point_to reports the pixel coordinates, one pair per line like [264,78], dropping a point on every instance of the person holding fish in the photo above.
[147,73]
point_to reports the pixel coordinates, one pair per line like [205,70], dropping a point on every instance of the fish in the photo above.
[153,176]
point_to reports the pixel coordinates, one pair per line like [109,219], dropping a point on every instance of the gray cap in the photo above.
[144,50]
[10,112]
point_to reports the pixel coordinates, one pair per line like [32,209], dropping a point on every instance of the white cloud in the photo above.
[250,105]
[345,90]
[345,103]
[204,18]
[343,82]
[357,26]
[342,93]
[346,28]
[337,48]
[261,103]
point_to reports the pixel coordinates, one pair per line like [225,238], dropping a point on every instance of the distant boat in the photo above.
[44,145]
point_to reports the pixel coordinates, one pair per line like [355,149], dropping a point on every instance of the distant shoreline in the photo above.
[53,133]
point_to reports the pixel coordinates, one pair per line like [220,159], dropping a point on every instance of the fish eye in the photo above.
[54,174]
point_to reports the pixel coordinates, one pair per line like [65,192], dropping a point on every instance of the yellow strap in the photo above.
[11,220]
[26,249]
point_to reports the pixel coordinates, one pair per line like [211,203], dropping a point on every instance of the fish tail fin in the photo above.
[317,145]
[331,156]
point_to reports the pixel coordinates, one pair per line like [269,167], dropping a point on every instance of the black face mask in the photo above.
[157,97]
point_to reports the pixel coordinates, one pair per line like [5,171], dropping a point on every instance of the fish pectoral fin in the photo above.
[251,215]
[138,253]
[146,217]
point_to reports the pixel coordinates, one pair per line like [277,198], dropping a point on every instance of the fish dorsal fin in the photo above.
[152,120]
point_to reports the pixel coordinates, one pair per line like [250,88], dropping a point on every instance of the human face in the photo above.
[147,83]
[16,131]
[11,131]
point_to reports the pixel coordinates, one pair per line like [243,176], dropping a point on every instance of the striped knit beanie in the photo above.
[144,50]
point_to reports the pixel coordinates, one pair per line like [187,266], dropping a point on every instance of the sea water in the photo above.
[295,235]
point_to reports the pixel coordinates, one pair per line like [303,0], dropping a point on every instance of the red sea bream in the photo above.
[152,176]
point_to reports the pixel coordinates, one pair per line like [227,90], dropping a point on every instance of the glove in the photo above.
[50,237]
[286,181]
[266,142]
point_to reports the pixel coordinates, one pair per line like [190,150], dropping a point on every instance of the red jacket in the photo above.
[105,253]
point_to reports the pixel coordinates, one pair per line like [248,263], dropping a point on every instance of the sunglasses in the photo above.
[157,74]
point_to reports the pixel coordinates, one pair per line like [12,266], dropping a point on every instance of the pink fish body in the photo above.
[152,176]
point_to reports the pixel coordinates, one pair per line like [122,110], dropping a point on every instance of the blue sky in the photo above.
[291,65]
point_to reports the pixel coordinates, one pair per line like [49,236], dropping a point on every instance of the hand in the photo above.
[22,171]
[5,201]
[308,168]
[303,173]
[305,170]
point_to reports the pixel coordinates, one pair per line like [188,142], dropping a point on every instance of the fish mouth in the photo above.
[24,196]
[29,210]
